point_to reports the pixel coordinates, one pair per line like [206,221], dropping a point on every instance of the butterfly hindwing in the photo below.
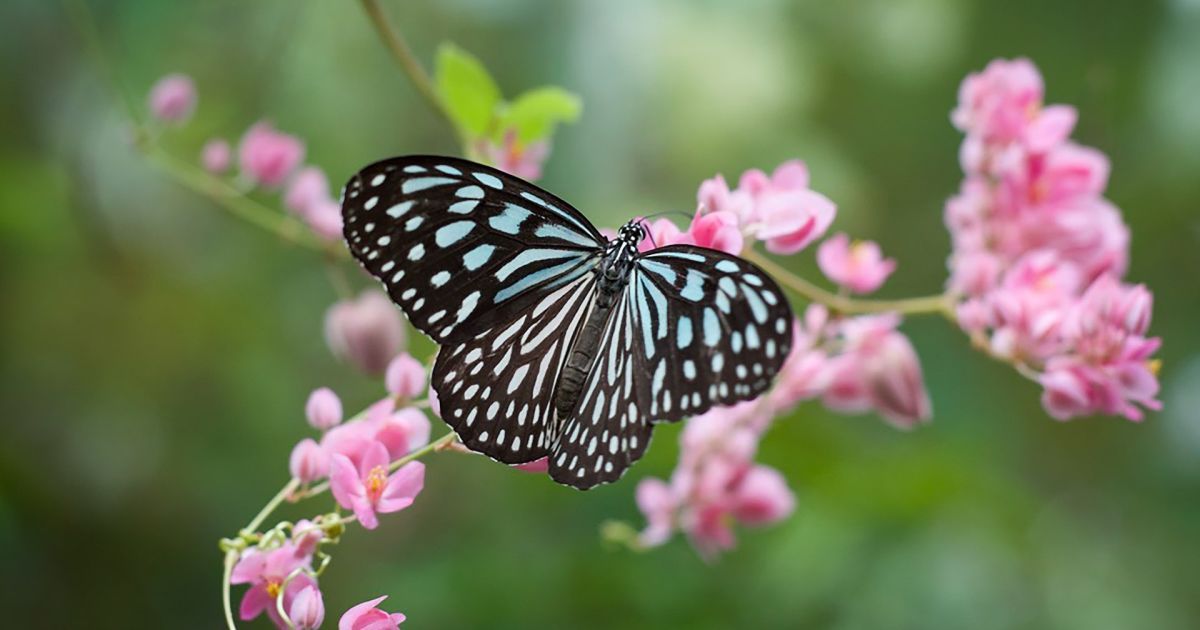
[462,247]
[712,329]
[497,389]
[693,329]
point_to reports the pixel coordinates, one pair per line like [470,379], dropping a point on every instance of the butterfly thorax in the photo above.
[611,277]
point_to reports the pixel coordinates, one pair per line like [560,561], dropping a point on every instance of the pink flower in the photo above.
[266,572]
[215,156]
[793,219]
[400,432]
[513,157]
[173,98]
[308,609]
[762,497]
[324,217]
[1050,128]
[367,489]
[308,462]
[717,230]
[658,505]
[405,376]
[306,535]
[806,372]
[878,370]
[662,232]
[323,409]
[860,267]
[268,156]
[999,103]
[1030,305]
[308,188]
[367,616]
[714,195]
[367,331]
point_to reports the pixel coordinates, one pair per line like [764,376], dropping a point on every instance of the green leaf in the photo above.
[468,92]
[535,113]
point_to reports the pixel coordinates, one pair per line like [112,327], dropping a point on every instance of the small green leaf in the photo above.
[535,113]
[468,92]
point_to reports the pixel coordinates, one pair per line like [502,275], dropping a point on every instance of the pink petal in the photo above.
[350,618]
[254,602]
[376,455]
[365,512]
[249,568]
[405,483]
[344,482]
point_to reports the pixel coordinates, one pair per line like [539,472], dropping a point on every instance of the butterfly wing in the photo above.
[713,329]
[462,247]
[693,329]
[497,389]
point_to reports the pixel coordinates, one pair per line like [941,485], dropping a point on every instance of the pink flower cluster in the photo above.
[716,483]
[366,331]
[285,572]
[266,157]
[1039,254]
[355,456]
[778,209]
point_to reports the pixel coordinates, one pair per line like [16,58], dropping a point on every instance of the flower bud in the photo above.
[215,156]
[308,462]
[173,98]
[308,609]
[405,376]
[323,409]
[366,332]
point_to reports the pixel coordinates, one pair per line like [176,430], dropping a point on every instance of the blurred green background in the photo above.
[155,354]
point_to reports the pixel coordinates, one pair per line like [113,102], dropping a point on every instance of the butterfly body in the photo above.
[555,341]
[612,275]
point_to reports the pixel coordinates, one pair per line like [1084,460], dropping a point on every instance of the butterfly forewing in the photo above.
[462,247]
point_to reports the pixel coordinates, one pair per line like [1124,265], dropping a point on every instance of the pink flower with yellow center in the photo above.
[366,489]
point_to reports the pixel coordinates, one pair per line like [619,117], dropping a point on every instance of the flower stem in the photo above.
[404,56]
[236,203]
[939,304]
[231,558]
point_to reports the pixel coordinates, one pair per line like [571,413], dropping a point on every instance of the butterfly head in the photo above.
[632,233]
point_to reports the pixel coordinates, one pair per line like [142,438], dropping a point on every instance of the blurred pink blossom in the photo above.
[367,489]
[405,376]
[858,266]
[306,535]
[308,461]
[323,409]
[216,155]
[879,370]
[267,157]
[308,609]
[1039,252]
[715,483]
[306,189]
[266,571]
[661,232]
[778,209]
[792,220]
[366,331]
[173,98]
[717,230]
[999,103]
[324,217]
[367,616]
[523,160]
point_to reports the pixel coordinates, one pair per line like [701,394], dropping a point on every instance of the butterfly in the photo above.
[554,340]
